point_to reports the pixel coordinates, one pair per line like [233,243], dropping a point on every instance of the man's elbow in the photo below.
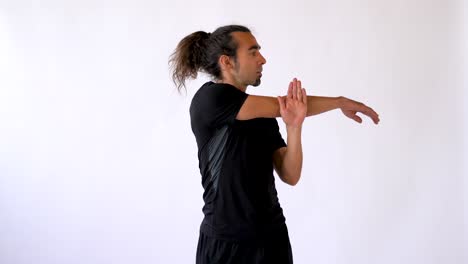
[293,182]
[291,179]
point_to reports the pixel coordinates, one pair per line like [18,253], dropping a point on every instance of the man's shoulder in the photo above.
[207,94]
[205,90]
[217,91]
[201,92]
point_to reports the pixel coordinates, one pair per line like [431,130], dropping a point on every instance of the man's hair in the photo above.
[200,52]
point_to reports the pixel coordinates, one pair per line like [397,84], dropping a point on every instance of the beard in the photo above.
[257,82]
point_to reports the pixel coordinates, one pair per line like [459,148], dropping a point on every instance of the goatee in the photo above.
[257,82]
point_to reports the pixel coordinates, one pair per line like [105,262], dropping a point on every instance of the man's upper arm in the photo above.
[256,106]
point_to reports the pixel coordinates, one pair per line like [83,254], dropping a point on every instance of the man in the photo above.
[239,145]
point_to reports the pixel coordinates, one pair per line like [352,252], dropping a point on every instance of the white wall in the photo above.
[98,163]
[464,87]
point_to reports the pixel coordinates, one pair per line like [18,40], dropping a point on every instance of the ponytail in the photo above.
[188,58]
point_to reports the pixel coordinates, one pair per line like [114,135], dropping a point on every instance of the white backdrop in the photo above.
[98,163]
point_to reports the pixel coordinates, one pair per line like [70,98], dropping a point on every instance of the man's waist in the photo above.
[242,231]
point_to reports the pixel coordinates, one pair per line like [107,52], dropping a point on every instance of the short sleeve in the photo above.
[277,140]
[217,104]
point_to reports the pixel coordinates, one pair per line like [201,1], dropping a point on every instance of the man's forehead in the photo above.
[246,40]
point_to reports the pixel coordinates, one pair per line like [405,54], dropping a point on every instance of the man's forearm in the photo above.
[321,104]
[292,162]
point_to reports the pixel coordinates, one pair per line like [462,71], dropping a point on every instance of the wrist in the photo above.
[293,128]
[339,101]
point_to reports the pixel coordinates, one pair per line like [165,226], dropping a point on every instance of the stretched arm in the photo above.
[317,105]
[321,104]
[265,106]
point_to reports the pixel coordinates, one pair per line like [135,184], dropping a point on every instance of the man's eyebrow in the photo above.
[253,47]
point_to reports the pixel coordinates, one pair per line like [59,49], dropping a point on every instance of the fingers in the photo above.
[371,113]
[296,90]
[357,118]
[352,115]
[290,90]
[362,108]
[352,107]
[374,116]
[299,91]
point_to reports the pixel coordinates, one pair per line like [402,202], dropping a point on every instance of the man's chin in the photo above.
[257,83]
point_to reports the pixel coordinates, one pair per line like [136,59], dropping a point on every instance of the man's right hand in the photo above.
[293,107]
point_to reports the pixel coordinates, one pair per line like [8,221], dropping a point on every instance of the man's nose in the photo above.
[262,59]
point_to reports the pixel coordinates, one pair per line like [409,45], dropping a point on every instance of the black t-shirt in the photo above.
[236,164]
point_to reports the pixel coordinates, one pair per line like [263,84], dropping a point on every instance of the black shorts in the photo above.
[276,248]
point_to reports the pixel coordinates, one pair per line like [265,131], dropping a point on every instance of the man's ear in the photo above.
[225,62]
